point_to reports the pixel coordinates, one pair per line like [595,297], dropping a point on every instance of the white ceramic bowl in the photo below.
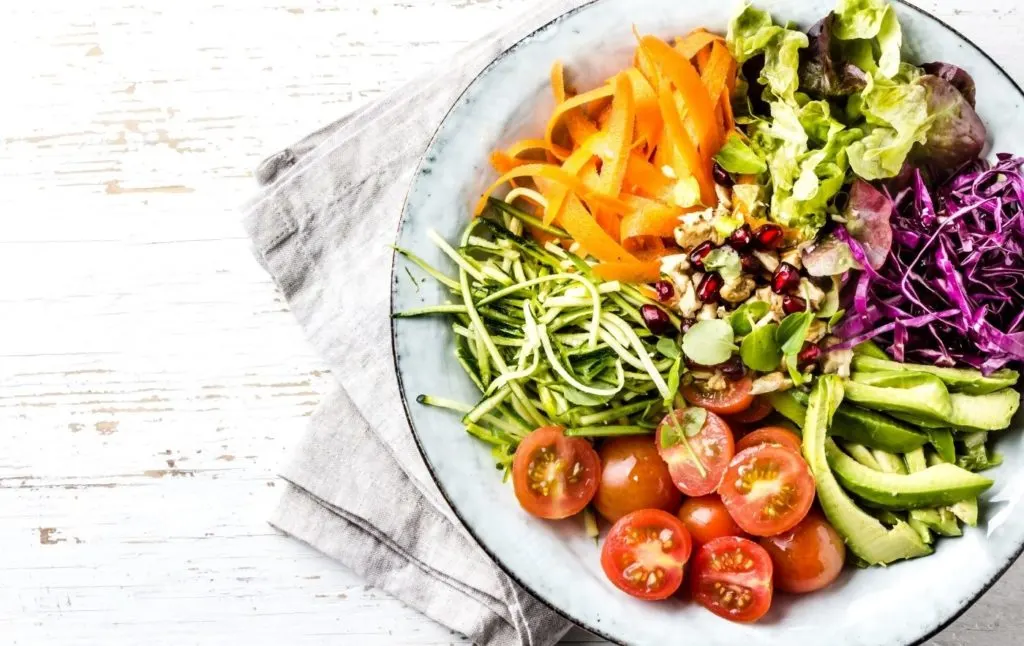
[901,604]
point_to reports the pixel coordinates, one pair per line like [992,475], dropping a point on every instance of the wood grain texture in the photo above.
[151,378]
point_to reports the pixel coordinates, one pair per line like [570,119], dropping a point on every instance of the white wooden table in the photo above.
[150,377]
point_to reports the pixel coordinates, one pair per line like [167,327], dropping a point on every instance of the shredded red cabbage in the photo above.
[951,291]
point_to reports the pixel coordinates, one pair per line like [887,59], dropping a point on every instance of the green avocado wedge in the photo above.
[990,412]
[938,485]
[919,394]
[958,380]
[853,423]
[865,535]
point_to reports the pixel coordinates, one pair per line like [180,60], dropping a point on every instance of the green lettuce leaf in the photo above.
[859,18]
[782,64]
[899,112]
[890,40]
[750,32]
[737,157]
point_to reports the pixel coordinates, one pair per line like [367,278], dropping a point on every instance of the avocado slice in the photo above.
[889,463]
[941,484]
[919,394]
[866,536]
[960,380]
[941,520]
[863,455]
[966,511]
[942,440]
[990,412]
[869,349]
[853,423]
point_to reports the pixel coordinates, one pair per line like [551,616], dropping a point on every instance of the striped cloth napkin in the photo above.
[358,489]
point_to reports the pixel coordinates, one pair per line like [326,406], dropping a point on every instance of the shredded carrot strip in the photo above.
[691,44]
[653,219]
[647,248]
[618,137]
[648,115]
[686,80]
[573,165]
[647,177]
[688,160]
[589,234]
[524,145]
[629,272]
[715,77]
[571,104]
[558,82]
[503,162]
[558,175]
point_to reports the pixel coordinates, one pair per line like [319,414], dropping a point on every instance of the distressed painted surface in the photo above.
[150,377]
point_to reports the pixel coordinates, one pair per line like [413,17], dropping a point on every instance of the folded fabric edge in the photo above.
[352,542]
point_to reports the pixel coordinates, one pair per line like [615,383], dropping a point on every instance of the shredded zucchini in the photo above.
[545,340]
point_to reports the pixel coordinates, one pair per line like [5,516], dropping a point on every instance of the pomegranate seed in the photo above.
[686,324]
[793,304]
[698,253]
[656,320]
[769,236]
[664,290]
[721,176]
[733,368]
[786,278]
[707,289]
[741,238]
[750,263]
[810,354]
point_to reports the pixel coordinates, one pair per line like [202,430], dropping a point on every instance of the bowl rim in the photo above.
[422,161]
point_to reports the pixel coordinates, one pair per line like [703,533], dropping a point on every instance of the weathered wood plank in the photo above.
[151,379]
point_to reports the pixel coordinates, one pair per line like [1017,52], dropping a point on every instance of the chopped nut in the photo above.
[774,302]
[688,303]
[739,290]
[717,381]
[837,362]
[811,293]
[770,383]
[792,256]
[769,259]
[724,196]
[708,312]
[817,331]
[689,236]
[676,263]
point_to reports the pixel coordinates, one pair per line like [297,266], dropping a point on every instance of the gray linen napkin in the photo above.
[358,489]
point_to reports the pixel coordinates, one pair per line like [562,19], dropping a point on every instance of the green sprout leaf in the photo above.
[686,423]
[746,315]
[759,349]
[709,343]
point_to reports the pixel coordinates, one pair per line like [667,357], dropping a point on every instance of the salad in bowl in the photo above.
[750,308]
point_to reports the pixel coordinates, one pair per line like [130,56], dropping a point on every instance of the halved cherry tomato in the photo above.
[696,463]
[733,399]
[776,435]
[808,557]
[732,577]
[645,552]
[706,518]
[759,409]
[555,476]
[767,489]
[633,476]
